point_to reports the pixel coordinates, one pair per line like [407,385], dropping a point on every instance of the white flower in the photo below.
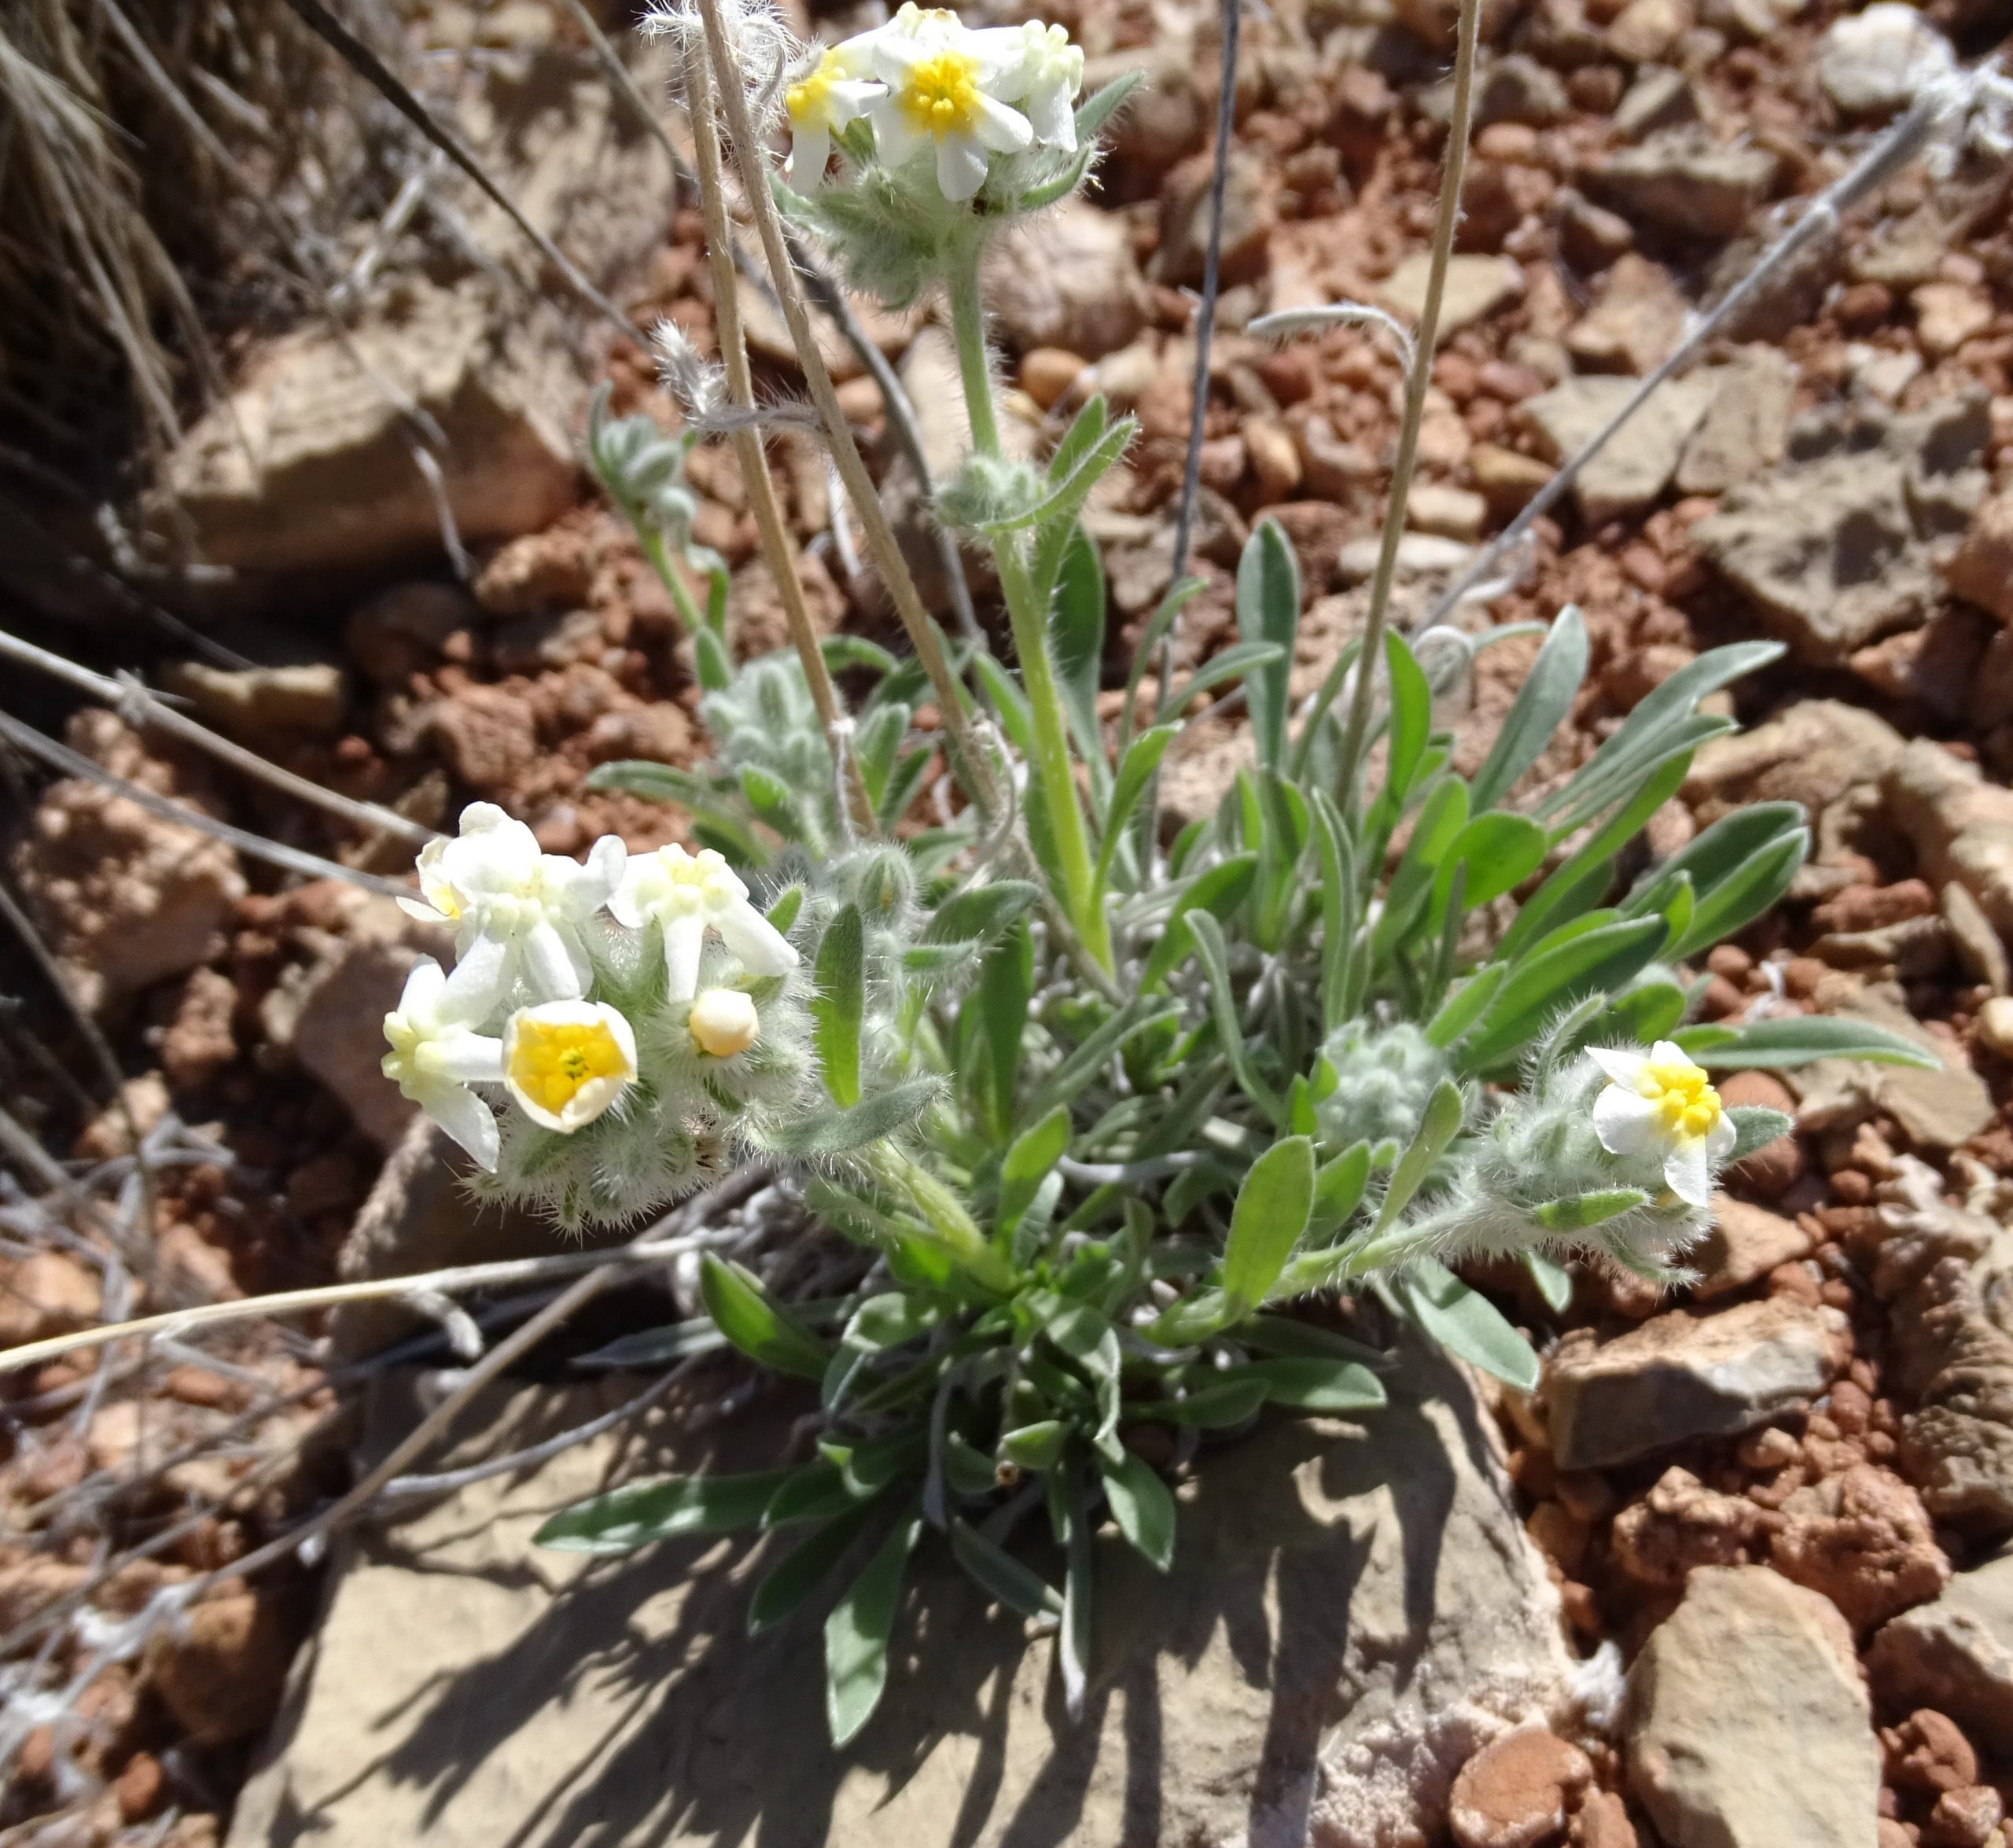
[515,910]
[1661,1103]
[1044,82]
[683,895]
[943,88]
[436,1053]
[833,92]
[723,1023]
[566,1061]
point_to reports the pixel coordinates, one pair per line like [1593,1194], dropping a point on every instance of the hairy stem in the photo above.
[970,763]
[689,616]
[747,445]
[1356,729]
[1053,765]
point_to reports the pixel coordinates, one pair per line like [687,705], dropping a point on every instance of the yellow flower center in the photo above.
[1688,1106]
[941,94]
[551,1062]
[809,99]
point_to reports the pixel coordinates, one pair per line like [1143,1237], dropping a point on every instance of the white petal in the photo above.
[630,902]
[608,859]
[426,913]
[683,938]
[549,965]
[1626,1123]
[1049,113]
[424,981]
[810,149]
[1686,1173]
[894,138]
[467,1118]
[1004,130]
[468,1058]
[1720,1139]
[764,950]
[960,166]
[1668,1052]
[1623,1064]
[482,973]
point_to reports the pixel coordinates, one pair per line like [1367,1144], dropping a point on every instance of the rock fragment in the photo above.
[1746,1721]
[1816,752]
[1476,287]
[1862,1538]
[1067,278]
[1836,546]
[1746,426]
[1638,461]
[1874,62]
[1682,1374]
[1960,825]
[1981,571]
[1515,1792]
[1955,1655]
[1681,180]
[124,897]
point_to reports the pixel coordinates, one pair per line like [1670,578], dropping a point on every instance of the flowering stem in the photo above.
[1356,729]
[969,761]
[1054,766]
[956,1231]
[747,445]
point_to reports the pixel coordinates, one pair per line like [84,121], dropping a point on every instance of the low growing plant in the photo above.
[1114,1124]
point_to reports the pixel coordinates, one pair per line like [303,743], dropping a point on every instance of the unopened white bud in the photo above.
[723,1023]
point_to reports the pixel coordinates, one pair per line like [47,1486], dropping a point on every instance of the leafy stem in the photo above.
[1055,769]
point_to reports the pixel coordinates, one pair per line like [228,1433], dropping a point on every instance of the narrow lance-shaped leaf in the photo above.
[1268,610]
[1267,1222]
[758,1324]
[856,1634]
[836,1005]
[1143,1506]
[1541,706]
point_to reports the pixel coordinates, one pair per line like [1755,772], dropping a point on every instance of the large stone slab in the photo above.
[1353,1610]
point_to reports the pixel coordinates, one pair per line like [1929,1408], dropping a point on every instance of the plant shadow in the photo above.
[625,1704]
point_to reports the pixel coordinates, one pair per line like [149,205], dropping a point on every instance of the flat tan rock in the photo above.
[1353,1611]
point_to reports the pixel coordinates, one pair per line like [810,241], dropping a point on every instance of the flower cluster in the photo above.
[1614,1152]
[926,85]
[640,997]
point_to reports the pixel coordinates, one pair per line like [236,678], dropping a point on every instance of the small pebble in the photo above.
[1514,1792]
[1996,1025]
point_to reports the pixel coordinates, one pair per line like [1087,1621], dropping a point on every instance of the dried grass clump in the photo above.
[138,139]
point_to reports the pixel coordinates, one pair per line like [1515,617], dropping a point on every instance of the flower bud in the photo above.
[723,1023]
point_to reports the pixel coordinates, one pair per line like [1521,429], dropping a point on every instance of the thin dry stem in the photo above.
[750,155]
[748,444]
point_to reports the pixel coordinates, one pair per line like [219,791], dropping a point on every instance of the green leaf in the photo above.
[814,1492]
[1743,895]
[1312,1383]
[1554,1281]
[1463,1008]
[998,1573]
[1098,108]
[1219,890]
[1008,700]
[1035,1447]
[1603,957]
[1755,1126]
[1441,1120]
[1143,757]
[1642,1015]
[837,1003]
[838,1132]
[712,665]
[1583,1211]
[1465,1323]
[1796,1040]
[890,1318]
[1661,722]
[1240,660]
[1410,726]
[654,1347]
[1005,985]
[1499,851]
[1267,1222]
[756,1323]
[876,744]
[634,1516]
[1086,429]
[1026,1165]
[1722,850]
[1268,610]
[800,1571]
[1338,1189]
[1142,1506]
[1543,704]
[979,913]
[1211,953]
[1226,1399]
[1139,1015]
[1189,1319]
[1177,597]
[1076,630]
[856,1635]
[1288,1338]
